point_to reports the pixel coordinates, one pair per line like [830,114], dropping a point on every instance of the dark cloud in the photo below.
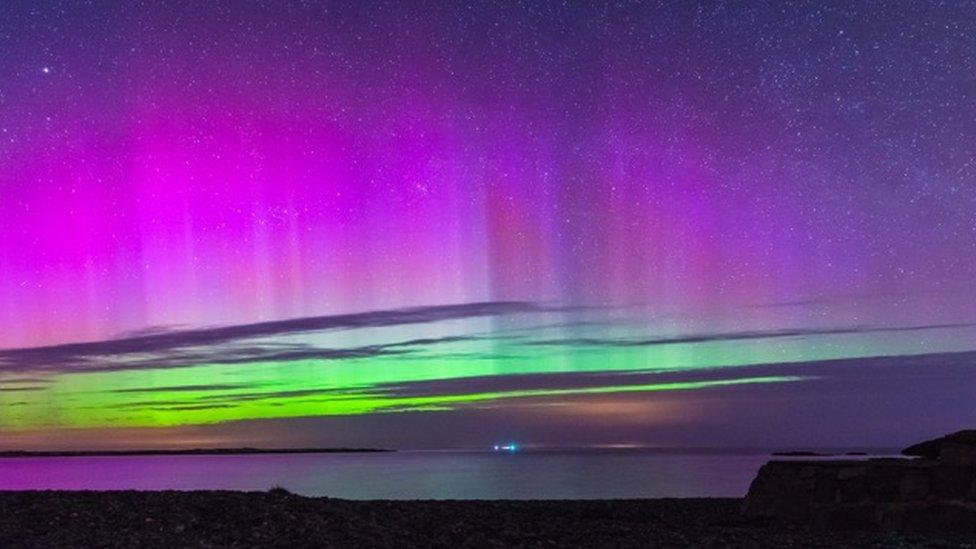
[233,398]
[434,341]
[737,336]
[183,388]
[191,407]
[851,390]
[149,331]
[28,380]
[865,395]
[167,348]
[935,364]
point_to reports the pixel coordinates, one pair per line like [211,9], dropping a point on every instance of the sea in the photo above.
[404,475]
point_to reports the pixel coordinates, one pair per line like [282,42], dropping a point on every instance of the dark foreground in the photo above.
[277,518]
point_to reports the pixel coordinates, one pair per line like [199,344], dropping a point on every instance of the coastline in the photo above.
[277,517]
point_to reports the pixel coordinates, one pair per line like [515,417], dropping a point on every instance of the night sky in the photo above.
[436,224]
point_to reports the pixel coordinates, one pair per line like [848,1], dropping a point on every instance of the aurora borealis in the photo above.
[440,224]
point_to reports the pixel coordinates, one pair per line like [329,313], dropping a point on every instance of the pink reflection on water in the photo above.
[403,475]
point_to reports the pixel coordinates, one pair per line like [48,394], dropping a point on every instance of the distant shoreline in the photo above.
[810,453]
[187,452]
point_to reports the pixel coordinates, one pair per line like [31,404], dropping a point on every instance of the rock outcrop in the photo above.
[929,493]
[959,447]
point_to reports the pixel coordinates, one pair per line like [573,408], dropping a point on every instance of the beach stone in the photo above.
[883,482]
[946,516]
[806,472]
[854,490]
[851,472]
[952,481]
[826,490]
[913,487]
[846,518]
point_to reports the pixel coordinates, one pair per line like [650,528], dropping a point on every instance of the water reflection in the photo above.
[406,475]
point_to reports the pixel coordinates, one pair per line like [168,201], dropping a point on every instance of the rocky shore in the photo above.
[935,491]
[277,518]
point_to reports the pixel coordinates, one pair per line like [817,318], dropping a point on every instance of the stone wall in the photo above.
[903,494]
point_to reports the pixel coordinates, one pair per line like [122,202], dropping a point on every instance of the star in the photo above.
[46,70]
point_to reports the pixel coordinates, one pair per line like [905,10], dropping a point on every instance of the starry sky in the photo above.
[446,224]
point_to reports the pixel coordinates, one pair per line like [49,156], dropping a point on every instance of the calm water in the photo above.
[404,475]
